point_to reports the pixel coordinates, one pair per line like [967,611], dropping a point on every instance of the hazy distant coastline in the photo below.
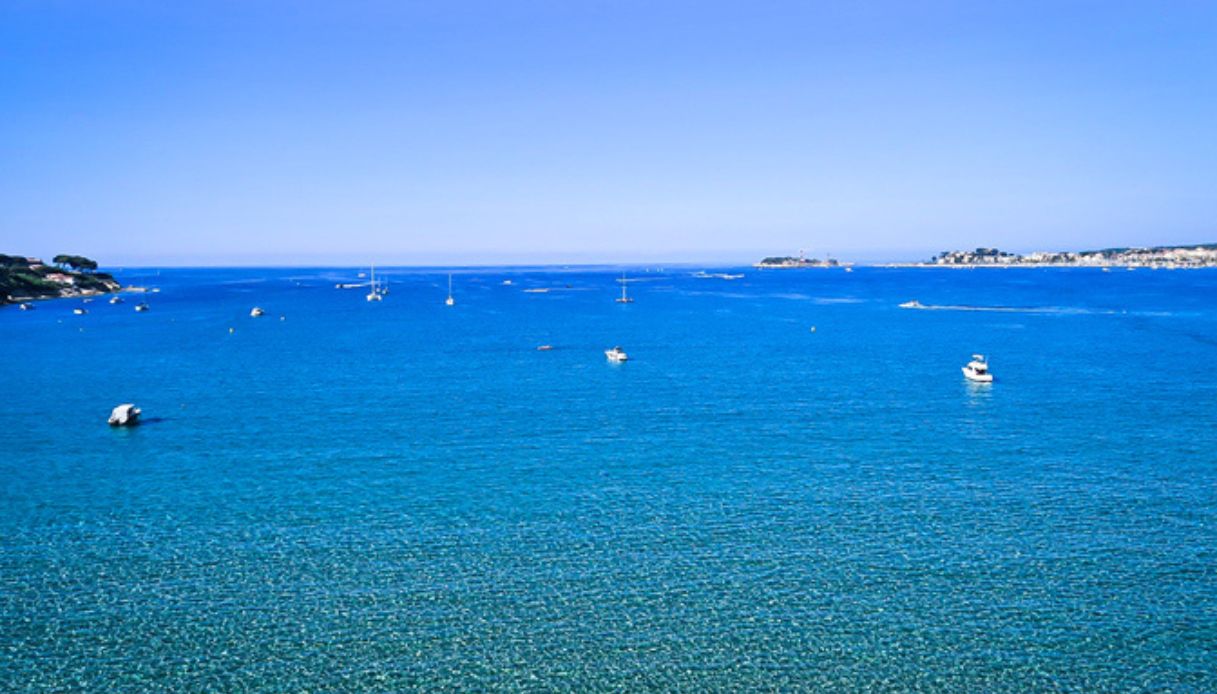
[1171,257]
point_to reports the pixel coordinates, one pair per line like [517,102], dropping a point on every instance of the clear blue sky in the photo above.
[295,132]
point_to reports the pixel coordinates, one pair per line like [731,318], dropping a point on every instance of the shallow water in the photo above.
[405,495]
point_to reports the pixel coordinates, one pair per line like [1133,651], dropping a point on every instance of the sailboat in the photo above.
[450,301]
[624,299]
[374,294]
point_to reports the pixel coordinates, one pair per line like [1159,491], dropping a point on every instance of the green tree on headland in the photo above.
[76,262]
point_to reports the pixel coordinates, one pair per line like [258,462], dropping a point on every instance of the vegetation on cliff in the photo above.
[23,279]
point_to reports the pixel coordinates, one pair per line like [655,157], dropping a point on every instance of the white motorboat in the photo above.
[116,300]
[978,370]
[449,301]
[616,354]
[27,307]
[125,415]
[256,312]
[911,304]
[141,307]
[79,311]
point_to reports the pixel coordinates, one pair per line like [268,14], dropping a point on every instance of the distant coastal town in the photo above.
[25,279]
[1171,257]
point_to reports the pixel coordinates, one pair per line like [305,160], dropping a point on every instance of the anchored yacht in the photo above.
[616,354]
[624,299]
[978,370]
[375,294]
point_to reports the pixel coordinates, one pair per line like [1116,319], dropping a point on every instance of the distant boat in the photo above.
[116,300]
[125,415]
[80,311]
[507,283]
[624,299]
[544,348]
[374,294]
[536,291]
[978,370]
[616,354]
[1106,269]
[26,307]
[256,312]
[848,269]
[141,307]
[912,304]
[450,301]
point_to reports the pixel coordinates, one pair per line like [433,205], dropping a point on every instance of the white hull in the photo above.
[976,376]
[615,355]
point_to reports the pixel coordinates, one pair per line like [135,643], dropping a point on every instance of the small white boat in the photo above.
[624,299]
[1106,269]
[26,307]
[375,294]
[449,301]
[978,370]
[141,307]
[256,312]
[544,348]
[80,311]
[116,300]
[911,304]
[536,291]
[616,354]
[125,415]
[507,283]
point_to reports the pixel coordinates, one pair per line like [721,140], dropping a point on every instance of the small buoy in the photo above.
[231,331]
[813,328]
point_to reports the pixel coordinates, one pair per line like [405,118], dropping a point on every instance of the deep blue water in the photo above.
[405,495]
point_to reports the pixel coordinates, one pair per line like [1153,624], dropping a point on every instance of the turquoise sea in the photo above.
[344,495]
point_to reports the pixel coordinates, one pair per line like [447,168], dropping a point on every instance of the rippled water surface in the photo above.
[345,495]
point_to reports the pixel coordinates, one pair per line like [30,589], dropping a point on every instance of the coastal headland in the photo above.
[27,279]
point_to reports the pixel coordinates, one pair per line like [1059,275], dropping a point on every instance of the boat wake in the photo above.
[1056,310]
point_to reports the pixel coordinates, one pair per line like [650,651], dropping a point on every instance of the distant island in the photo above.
[1203,255]
[792,262]
[26,279]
